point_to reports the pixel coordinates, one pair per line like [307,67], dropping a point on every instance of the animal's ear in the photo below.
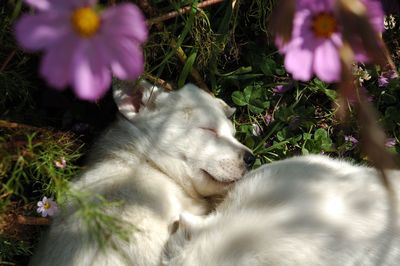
[229,111]
[131,97]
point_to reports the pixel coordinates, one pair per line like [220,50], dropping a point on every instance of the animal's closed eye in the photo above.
[211,130]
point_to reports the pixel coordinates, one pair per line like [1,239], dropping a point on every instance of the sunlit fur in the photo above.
[158,160]
[310,210]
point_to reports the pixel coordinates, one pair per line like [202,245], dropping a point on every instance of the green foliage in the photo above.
[253,97]
[295,127]
[28,163]
[13,248]
[232,50]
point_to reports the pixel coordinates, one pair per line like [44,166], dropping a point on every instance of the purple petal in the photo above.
[81,3]
[125,57]
[40,204]
[53,5]
[351,139]
[301,22]
[375,14]
[56,63]
[390,142]
[42,31]
[91,75]
[336,38]
[39,4]
[298,62]
[50,212]
[125,20]
[327,63]
[315,5]
[383,81]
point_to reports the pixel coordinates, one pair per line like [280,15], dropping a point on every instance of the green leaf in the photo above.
[257,106]
[280,71]
[330,93]
[307,136]
[247,92]
[249,141]
[304,151]
[320,134]
[268,66]
[238,98]
[281,135]
[187,68]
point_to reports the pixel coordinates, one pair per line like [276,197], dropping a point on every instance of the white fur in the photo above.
[160,160]
[310,210]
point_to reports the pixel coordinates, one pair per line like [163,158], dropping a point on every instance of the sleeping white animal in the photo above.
[169,153]
[310,210]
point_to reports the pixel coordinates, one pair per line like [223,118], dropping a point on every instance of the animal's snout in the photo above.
[249,159]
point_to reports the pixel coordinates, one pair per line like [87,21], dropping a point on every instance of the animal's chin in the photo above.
[215,180]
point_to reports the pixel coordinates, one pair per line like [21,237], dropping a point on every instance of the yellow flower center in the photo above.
[47,205]
[85,21]
[323,25]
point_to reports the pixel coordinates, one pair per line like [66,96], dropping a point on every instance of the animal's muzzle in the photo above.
[249,159]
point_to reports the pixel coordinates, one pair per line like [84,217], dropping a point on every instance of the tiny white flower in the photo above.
[361,74]
[61,163]
[47,206]
[389,22]
[256,130]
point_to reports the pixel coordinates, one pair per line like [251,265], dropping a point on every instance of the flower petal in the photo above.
[125,20]
[375,14]
[327,62]
[41,31]
[56,63]
[53,5]
[91,76]
[298,62]
[125,57]
[39,4]
[82,3]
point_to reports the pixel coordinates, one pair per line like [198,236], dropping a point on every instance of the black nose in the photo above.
[249,159]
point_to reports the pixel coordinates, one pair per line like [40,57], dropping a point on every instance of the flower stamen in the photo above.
[85,21]
[47,205]
[324,24]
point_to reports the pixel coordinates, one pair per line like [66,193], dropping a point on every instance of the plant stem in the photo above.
[181,11]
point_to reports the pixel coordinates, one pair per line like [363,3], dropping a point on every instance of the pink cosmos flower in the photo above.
[47,206]
[316,39]
[83,46]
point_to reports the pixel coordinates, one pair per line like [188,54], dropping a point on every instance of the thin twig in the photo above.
[193,72]
[159,82]
[5,195]
[8,124]
[7,263]
[32,220]
[158,21]
[147,8]
[181,11]
[8,59]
